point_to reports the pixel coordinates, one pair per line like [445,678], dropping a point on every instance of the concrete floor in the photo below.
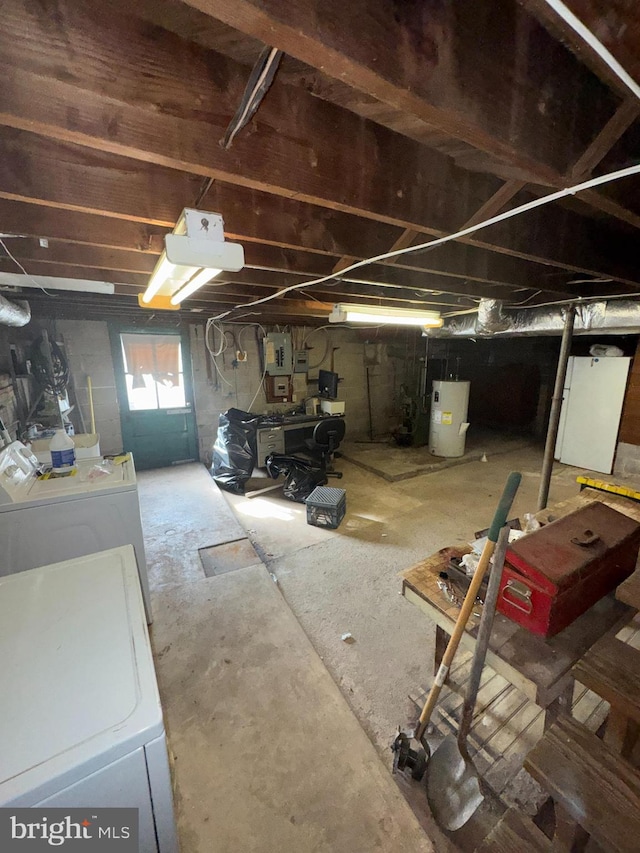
[395,463]
[267,753]
[334,582]
[347,580]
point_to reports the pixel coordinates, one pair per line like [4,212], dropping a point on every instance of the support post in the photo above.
[556,404]
[369,405]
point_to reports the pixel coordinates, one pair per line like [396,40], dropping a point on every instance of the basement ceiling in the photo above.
[388,122]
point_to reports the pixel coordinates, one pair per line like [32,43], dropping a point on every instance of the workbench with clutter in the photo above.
[552,734]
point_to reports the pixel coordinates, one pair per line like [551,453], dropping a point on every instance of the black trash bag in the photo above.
[235,450]
[301,476]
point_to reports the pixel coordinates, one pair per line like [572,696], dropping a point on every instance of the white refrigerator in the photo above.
[591,408]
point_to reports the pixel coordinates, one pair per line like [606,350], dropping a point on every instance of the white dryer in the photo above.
[81,723]
[46,521]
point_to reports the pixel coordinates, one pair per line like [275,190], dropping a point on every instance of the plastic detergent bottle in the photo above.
[63,452]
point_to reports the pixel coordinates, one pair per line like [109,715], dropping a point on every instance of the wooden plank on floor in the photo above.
[586,706]
[507,725]
[629,590]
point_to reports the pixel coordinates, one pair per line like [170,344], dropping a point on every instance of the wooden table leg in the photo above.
[561,705]
[569,836]
[442,638]
[621,733]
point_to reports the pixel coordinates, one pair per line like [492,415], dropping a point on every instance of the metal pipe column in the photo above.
[556,403]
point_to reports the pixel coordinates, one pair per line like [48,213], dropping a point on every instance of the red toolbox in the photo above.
[551,576]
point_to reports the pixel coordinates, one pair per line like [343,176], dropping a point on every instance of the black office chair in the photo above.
[327,436]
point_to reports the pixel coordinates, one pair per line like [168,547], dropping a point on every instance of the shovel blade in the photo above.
[453,789]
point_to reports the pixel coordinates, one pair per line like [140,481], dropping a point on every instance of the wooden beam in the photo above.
[171,101]
[70,178]
[609,205]
[447,64]
[83,256]
[620,121]
[228,294]
[494,205]
[302,312]
[70,228]
[126,283]
[254,216]
[403,58]
[615,23]
[245,285]
[171,116]
[490,207]
[35,220]
[251,216]
[266,265]
[259,260]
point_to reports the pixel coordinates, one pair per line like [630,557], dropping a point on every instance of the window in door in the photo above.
[153,371]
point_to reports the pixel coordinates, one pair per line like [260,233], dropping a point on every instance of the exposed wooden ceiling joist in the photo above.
[449,64]
[615,23]
[624,116]
[173,113]
[111,116]
[511,90]
[39,170]
[255,217]
[275,264]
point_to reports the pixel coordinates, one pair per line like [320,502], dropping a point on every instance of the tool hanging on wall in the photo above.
[50,369]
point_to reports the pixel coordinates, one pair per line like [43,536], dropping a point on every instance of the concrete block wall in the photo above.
[88,350]
[8,407]
[237,384]
[627,461]
[233,384]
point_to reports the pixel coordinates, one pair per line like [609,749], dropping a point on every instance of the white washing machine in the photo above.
[81,723]
[45,521]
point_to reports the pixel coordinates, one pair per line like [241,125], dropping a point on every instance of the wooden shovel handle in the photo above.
[499,520]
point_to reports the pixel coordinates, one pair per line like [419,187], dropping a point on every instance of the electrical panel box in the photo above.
[278,354]
[301,361]
[278,389]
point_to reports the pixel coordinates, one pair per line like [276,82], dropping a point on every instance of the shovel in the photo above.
[498,522]
[453,789]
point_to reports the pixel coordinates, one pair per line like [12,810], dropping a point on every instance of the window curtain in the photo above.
[157,355]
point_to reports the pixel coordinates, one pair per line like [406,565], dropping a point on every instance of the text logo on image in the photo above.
[39,829]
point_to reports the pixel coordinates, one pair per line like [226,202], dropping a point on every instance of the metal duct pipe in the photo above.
[613,317]
[14,313]
[491,317]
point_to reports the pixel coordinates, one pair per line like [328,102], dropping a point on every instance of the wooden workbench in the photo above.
[526,680]
[541,669]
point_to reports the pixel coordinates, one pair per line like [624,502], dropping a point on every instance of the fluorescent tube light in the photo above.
[345,313]
[166,271]
[199,280]
[194,254]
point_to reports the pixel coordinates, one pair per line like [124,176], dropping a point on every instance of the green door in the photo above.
[154,392]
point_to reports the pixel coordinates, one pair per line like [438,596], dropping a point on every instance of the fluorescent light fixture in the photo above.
[345,313]
[202,278]
[194,254]
[48,282]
